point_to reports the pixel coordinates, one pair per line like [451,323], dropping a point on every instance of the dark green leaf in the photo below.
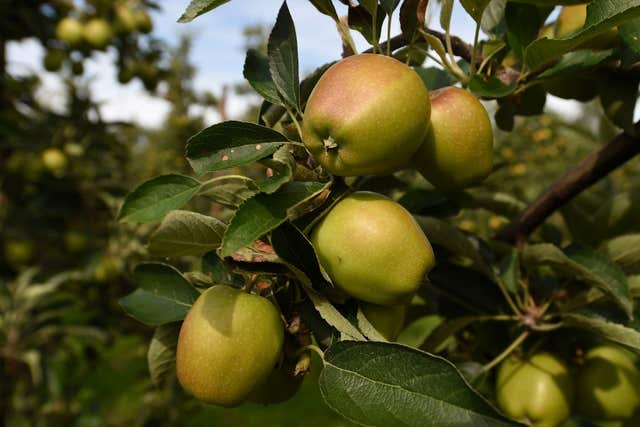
[612,331]
[186,233]
[446,10]
[412,18]
[163,295]
[154,198]
[586,266]
[618,96]
[523,24]
[264,212]
[283,57]
[475,8]
[389,5]
[228,144]
[577,62]
[231,190]
[510,271]
[602,15]
[434,78]
[493,16]
[333,317]
[256,71]
[161,356]
[325,7]
[282,166]
[630,34]
[360,20]
[199,7]
[215,268]
[624,251]
[390,385]
[492,87]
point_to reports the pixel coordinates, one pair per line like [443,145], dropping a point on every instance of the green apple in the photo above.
[70,31]
[75,241]
[367,114]
[458,149]
[125,19]
[97,32]
[388,320]
[143,21]
[53,60]
[572,18]
[373,249]
[607,385]
[537,390]
[18,252]
[229,343]
[107,269]
[54,160]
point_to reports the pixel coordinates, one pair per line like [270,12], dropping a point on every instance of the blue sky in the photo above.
[217,53]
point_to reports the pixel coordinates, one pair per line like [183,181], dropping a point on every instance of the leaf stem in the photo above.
[313,348]
[374,27]
[389,16]
[472,63]
[499,358]
[295,121]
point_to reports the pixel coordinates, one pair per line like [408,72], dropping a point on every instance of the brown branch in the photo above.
[593,168]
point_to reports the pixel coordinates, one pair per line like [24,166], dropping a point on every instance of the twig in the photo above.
[593,168]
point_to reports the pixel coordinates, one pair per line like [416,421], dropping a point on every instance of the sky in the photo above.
[218,55]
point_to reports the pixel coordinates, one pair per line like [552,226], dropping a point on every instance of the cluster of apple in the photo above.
[541,390]
[367,115]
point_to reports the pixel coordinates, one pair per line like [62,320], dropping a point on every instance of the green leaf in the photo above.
[230,191]
[199,7]
[152,200]
[228,144]
[361,20]
[446,9]
[492,87]
[475,8]
[584,265]
[549,2]
[161,356]
[256,71]
[186,233]
[434,78]
[389,5]
[367,329]
[412,13]
[510,271]
[369,5]
[390,385]
[493,16]
[417,332]
[630,34]
[523,24]
[214,267]
[333,317]
[612,331]
[601,16]
[326,7]
[282,166]
[577,62]
[624,251]
[163,296]
[264,212]
[283,57]
[618,96]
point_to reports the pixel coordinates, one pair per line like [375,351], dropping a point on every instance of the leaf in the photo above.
[163,296]
[264,212]
[475,8]
[390,385]
[492,87]
[326,7]
[577,62]
[416,333]
[199,7]
[367,329]
[215,268]
[601,16]
[230,191]
[583,265]
[612,331]
[228,144]
[256,71]
[510,271]
[283,57]
[282,166]
[523,24]
[161,356]
[624,251]
[412,13]
[493,16]
[434,78]
[186,233]
[630,34]
[152,200]
[389,5]
[618,96]
[361,20]
[441,233]
[446,9]
[333,317]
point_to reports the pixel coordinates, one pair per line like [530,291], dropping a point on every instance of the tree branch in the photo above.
[593,168]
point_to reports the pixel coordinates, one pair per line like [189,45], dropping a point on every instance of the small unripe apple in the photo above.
[388,320]
[18,252]
[107,269]
[458,149]
[74,241]
[70,31]
[373,249]
[98,33]
[54,160]
[143,21]
[607,385]
[367,114]
[537,390]
[229,344]
[53,60]
[125,19]
[572,18]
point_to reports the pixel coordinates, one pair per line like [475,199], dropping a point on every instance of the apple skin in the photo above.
[229,343]
[388,320]
[607,385]
[98,33]
[373,249]
[54,159]
[53,60]
[572,18]
[143,21]
[367,115]
[70,31]
[538,390]
[126,19]
[458,149]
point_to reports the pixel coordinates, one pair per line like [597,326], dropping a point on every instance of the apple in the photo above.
[53,60]
[388,320]
[367,114]
[458,149]
[537,390]
[229,343]
[373,249]
[70,31]
[143,21]
[98,33]
[54,160]
[607,385]
[571,19]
